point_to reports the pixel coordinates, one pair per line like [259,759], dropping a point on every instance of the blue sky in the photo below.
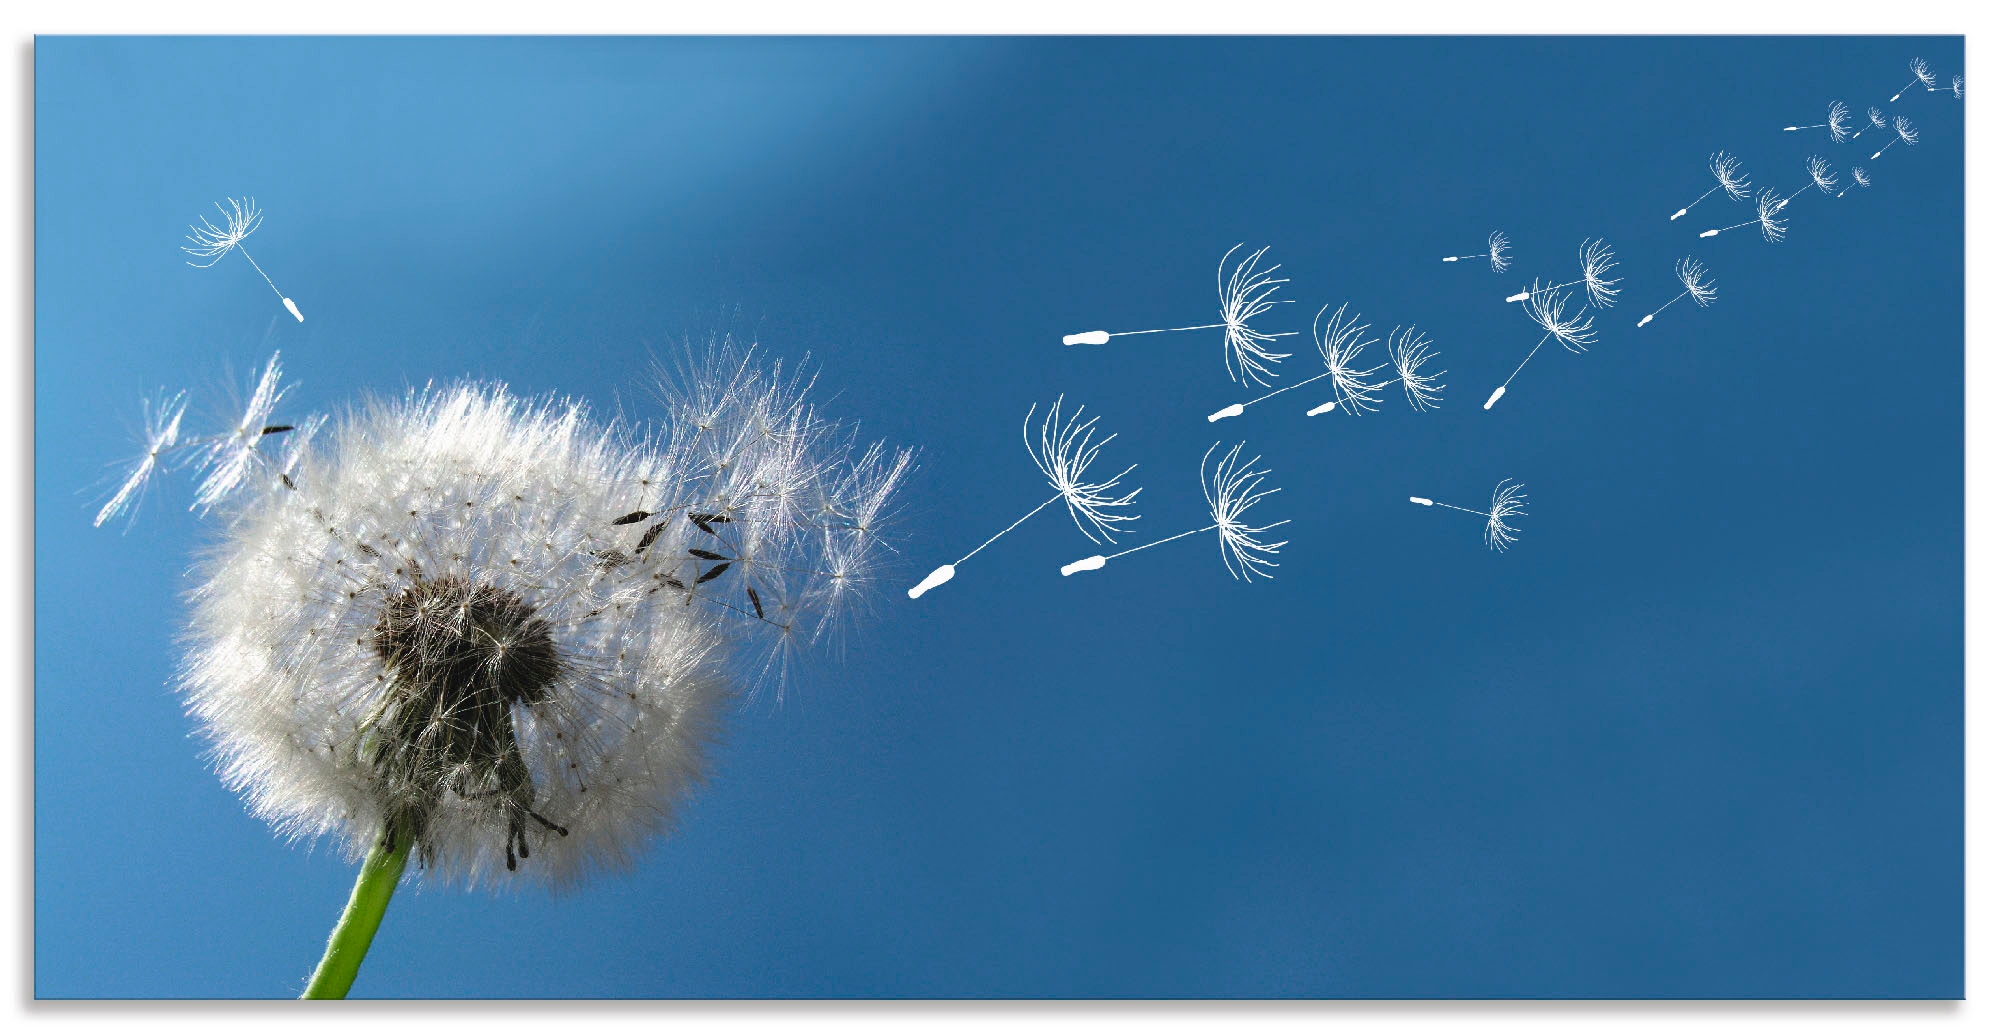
[1698,734]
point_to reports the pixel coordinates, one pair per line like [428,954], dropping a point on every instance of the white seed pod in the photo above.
[506,630]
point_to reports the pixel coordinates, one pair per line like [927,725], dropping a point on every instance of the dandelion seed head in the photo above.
[1922,70]
[1958,86]
[1836,122]
[1728,173]
[1340,340]
[1245,295]
[1510,500]
[1906,130]
[1597,261]
[1877,119]
[1410,350]
[1861,176]
[506,630]
[1689,271]
[1496,251]
[1822,174]
[1545,306]
[1232,488]
[208,241]
[1063,454]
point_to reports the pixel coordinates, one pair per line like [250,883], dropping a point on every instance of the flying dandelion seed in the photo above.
[1339,339]
[1495,253]
[1769,204]
[1860,180]
[212,242]
[1597,262]
[1875,120]
[1689,272]
[1835,124]
[226,461]
[1245,295]
[1409,351]
[1923,75]
[230,457]
[162,417]
[1545,307]
[1063,455]
[1819,173]
[1510,500]
[1906,132]
[1729,179]
[1958,87]
[1232,488]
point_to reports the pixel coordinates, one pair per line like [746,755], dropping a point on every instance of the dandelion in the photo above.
[1545,307]
[1769,204]
[1231,489]
[1064,455]
[1819,173]
[1340,342]
[1905,132]
[1495,253]
[1923,75]
[1958,87]
[1860,180]
[1510,500]
[1729,179]
[1835,124]
[1409,351]
[1689,272]
[162,417]
[1875,120]
[212,242]
[495,634]
[1597,262]
[1244,296]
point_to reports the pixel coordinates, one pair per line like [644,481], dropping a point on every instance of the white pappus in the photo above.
[505,629]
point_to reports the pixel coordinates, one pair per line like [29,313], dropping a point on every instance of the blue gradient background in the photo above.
[1698,734]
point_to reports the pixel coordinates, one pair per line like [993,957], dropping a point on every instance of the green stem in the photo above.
[348,943]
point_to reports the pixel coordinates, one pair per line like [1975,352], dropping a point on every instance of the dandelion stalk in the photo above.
[1729,179]
[1244,295]
[1835,124]
[1495,253]
[355,930]
[212,242]
[1689,272]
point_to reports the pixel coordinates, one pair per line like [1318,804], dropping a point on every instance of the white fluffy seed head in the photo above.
[505,629]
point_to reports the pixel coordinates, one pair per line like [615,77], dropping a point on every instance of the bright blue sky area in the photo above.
[1699,734]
